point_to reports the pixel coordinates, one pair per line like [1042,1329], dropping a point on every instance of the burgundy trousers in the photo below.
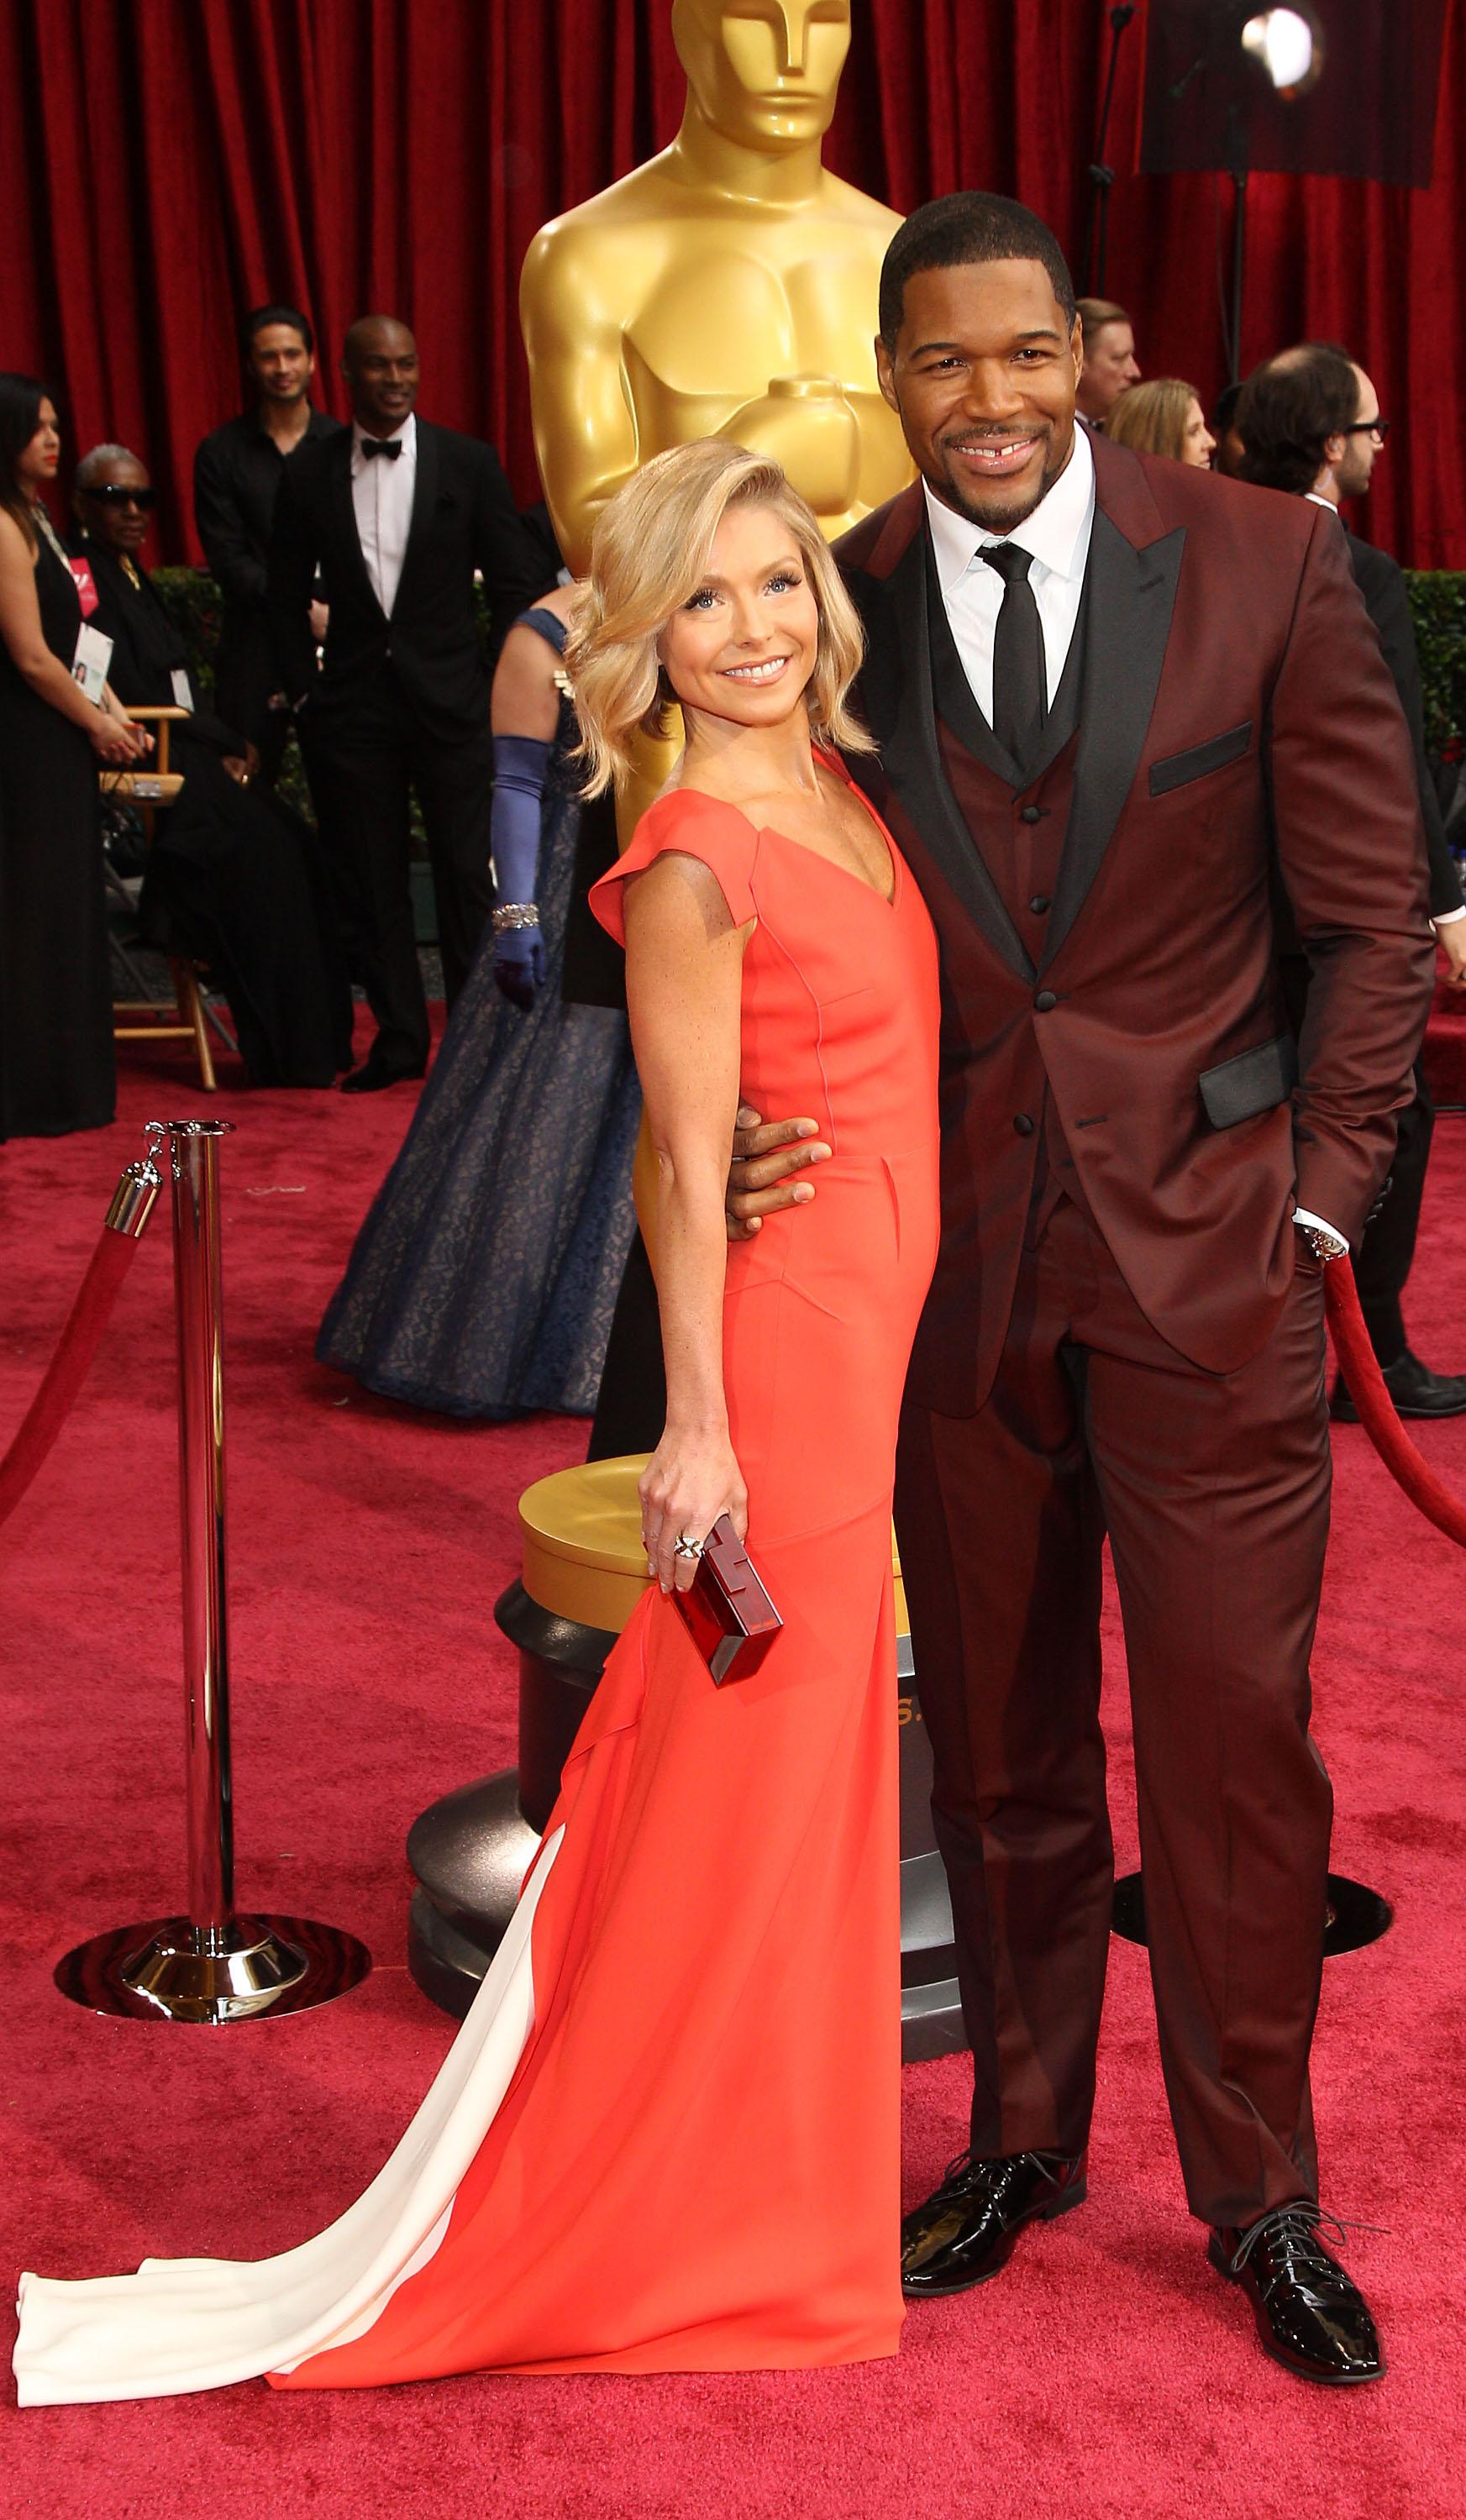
[1214,1492]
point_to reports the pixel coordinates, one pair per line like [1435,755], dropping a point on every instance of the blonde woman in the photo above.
[1162,417]
[666,2137]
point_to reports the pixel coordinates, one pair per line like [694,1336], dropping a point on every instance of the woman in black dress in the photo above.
[56,1051]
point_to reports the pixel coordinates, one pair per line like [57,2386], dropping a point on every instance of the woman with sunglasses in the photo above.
[233,877]
[56,1070]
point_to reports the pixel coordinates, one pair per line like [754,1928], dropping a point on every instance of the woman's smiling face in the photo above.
[744,645]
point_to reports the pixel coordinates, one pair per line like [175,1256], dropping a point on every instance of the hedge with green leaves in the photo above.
[193,600]
[1438,601]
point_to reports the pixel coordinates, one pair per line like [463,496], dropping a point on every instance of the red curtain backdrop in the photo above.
[169,163]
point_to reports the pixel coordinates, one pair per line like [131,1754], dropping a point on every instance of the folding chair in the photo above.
[146,1018]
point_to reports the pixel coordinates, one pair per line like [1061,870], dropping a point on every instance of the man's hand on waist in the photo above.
[1451,936]
[769,1158]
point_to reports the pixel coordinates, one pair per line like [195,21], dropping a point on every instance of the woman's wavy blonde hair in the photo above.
[648,555]
[1152,417]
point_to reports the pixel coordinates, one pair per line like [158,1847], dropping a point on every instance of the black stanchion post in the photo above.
[1353,1917]
[1094,261]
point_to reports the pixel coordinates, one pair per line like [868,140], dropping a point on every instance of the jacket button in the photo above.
[1039,904]
[1024,1125]
[1044,1000]
[1032,814]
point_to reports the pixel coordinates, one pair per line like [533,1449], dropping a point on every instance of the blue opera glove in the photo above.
[520,765]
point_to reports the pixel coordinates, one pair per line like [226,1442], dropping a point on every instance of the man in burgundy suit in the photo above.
[1118,703]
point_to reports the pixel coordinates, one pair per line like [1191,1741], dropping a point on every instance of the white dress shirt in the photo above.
[1057,538]
[382,488]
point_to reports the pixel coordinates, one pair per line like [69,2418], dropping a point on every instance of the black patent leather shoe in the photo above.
[373,1074]
[968,2228]
[1415,1391]
[1310,2317]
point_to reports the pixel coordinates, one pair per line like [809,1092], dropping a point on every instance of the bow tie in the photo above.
[390,447]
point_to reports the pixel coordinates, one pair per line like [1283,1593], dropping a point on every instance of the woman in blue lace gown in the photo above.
[483,1279]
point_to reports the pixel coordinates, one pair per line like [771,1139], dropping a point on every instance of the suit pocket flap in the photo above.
[1255,1080]
[1195,763]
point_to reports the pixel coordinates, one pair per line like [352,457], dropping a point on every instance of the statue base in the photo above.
[470,1851]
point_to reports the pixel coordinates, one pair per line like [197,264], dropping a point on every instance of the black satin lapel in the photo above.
[343,515]
[424,502]
[1132,595]
[913,765]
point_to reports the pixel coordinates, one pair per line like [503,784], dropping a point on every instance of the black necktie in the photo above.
[1019,677]
[392,448]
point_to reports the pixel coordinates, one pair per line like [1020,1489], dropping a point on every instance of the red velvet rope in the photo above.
[67,1370]
[1367,1389]
[114,1254]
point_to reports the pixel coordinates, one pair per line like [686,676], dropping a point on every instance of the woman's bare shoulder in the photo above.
[14,545]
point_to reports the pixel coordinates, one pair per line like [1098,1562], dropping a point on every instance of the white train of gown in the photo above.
[185,2323]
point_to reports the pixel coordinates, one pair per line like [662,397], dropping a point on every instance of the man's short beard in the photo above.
[996,520]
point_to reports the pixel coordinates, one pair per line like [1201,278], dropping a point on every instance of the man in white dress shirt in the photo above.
[399,514]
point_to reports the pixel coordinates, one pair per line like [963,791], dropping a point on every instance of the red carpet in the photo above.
[1445,1046]
[1107,2375]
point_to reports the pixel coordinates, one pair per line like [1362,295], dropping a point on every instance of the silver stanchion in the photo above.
[211,1964]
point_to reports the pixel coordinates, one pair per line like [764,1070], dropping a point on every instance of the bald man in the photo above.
[398,514]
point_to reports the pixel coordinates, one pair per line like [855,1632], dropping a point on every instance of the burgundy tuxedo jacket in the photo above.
[1237,732]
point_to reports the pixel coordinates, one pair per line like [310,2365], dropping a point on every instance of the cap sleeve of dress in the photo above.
[694,826]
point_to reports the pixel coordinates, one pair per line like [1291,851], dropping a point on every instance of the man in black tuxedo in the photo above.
[398,514]
[1310,421]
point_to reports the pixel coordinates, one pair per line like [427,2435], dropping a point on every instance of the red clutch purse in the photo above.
[727,1611]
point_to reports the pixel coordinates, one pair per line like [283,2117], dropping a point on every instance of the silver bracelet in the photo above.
[515,913]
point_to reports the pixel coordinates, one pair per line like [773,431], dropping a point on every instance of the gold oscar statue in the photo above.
[726,288]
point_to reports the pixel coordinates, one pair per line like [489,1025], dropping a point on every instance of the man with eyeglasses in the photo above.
[1311,422]
[237,472]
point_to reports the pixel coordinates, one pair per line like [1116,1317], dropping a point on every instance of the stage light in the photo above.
[1287,45]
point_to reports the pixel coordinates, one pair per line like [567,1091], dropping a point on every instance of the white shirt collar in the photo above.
[1057,533]
[1319,501]
[409,434]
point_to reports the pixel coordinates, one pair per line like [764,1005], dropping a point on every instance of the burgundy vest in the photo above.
[1017,826]
[1019,833]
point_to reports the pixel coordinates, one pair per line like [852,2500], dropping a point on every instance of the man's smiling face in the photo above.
[982,376]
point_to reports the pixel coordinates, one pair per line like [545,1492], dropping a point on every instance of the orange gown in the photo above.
[693,2161]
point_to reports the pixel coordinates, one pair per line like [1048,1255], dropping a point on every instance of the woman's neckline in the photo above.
[836,769]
